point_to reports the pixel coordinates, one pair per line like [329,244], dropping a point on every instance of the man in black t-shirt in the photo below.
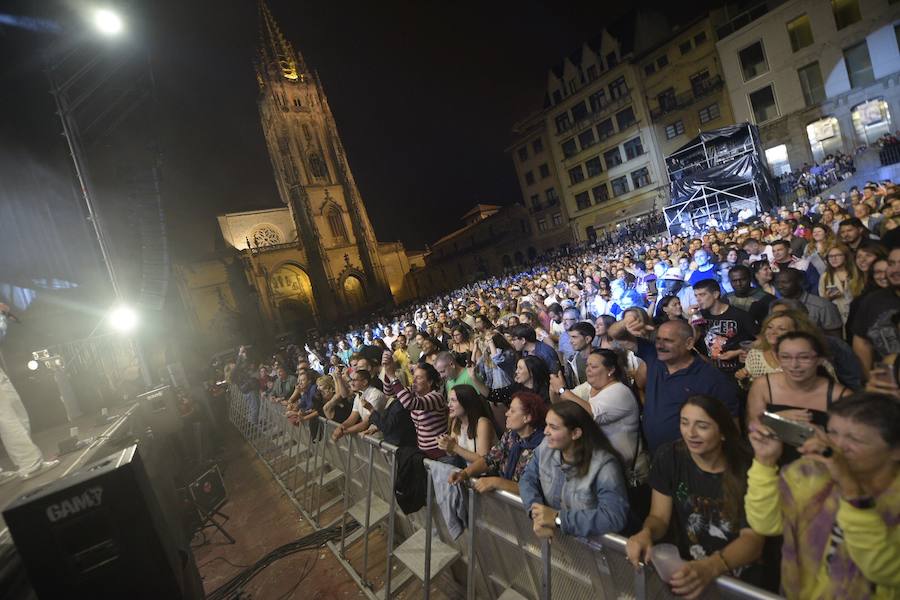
[726,326]
[750,299]
[875,334]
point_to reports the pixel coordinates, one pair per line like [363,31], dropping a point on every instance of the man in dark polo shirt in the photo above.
[674,374]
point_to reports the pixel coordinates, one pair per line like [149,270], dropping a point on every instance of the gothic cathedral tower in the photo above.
[314,180]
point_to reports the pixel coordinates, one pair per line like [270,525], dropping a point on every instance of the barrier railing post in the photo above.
[390,540]
[640,583]
[346,492]
[365,569]
[546,568]
[470,566]
[428,507]
[323,423]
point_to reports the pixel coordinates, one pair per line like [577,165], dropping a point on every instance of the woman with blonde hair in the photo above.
[761,359]
[841,282]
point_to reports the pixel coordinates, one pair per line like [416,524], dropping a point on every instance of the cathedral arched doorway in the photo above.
[355,293]
[293,295]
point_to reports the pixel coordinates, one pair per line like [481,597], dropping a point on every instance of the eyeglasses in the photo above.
[803,359]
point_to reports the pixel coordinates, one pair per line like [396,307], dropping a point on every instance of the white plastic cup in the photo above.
[666,560]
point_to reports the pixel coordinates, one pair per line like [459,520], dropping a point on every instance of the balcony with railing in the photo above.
[592,118]
[698,91]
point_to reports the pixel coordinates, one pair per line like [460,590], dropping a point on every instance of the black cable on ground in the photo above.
[232,588]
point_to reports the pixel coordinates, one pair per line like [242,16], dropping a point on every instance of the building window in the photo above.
[523,154]
[871,120]
[569,148]
[811,83]
[662,61]
[600,193]
[576,175]
[753,61]
[699,82]
[605,129]
[592,73]
[298,103]
[800,32]
[666,100]
[336,224]
[700,38]
[586,138]
[557,219]
[649,69]
[612,157]
[859,65]
[552,197]
[563,123]
[640,178]
[536,202]
[619,186]
[571,86]
[685,47]
[709,113]
[544,170]
[611,60]
[762,103]
[318,168]
[542,224]
[597,100]
[625,118]
[529,178]
[582,201]
[537,146]
[579,112]
[557,97]
[618,88]
[633,148]
[824,137]
[593,167]
[846,12]
[674,130]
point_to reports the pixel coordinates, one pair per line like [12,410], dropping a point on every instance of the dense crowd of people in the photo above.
[734,393]
[811,180]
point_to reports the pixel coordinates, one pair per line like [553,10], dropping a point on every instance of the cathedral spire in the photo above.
[275,52]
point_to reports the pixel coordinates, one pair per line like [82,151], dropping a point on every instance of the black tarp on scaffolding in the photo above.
[715,175]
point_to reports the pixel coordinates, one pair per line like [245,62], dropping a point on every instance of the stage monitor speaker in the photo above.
[208,490]
[99,533]
[159,410]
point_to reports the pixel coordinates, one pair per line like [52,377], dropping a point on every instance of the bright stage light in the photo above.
[123,319]
[107,22]
[33,365]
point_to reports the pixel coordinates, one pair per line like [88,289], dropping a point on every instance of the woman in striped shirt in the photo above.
[424,401]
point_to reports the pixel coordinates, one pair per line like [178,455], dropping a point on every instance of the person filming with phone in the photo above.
[838,507]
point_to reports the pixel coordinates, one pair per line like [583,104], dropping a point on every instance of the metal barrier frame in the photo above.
[564,567]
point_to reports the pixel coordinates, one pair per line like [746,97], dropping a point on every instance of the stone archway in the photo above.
[293,295]
[354,293]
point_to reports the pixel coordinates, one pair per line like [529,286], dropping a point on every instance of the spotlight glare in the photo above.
[33,365]
[107,22]
[123,319]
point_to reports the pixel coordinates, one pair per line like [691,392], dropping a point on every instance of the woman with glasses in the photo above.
[842,281]
[764,276]
[803,391]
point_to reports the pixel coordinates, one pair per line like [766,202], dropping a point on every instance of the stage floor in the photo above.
[48,442]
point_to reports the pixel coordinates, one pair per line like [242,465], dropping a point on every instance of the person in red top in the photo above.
[424,401]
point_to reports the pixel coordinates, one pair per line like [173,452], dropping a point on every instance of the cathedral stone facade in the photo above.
[314,259]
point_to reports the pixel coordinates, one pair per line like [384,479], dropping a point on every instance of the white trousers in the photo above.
[15,428]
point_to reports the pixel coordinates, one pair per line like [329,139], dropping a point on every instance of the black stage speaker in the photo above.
[159,410]
[208,490]
[99,533]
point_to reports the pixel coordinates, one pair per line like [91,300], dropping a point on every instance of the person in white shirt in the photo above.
[367,399]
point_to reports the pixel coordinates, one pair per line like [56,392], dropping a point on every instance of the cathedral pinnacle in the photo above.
[275,50]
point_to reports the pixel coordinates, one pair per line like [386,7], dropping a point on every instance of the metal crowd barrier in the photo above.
[497,557]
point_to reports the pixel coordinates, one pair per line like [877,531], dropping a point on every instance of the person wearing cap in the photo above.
[673,284]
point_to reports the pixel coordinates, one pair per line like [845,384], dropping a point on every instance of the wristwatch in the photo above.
[561,391]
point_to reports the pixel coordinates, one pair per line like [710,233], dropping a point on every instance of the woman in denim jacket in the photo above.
[574,482]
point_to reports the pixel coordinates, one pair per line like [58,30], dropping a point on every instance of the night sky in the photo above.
[425,95]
